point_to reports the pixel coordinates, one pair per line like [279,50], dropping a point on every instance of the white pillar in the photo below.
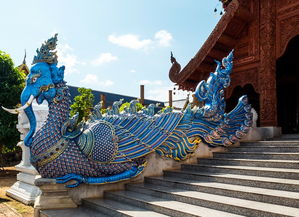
[24,189]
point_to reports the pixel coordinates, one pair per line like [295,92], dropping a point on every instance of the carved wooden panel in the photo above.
[250,36]
[245,3]
[286,6]
[287,28]
[242,78]
[266,75]
[253,30]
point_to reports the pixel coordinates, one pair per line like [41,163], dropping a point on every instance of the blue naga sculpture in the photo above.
[112,147]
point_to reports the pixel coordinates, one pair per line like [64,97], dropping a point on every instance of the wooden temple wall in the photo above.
[273,25]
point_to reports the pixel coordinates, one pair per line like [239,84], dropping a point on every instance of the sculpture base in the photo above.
[23,192]
[262,133]
[53,196]
[24,189]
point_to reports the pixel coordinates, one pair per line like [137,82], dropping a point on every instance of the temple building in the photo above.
[265,37]
[23,67]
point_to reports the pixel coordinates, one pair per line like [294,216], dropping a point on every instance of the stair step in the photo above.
[271,143]
[288,136]
[278,197]
[257,155]
[115,208]
[219,202]
[245,170]
[72,212]
[165,206]
[269,148]
[253,181]
[291,164]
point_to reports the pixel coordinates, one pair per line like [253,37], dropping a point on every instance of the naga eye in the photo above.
[34,79]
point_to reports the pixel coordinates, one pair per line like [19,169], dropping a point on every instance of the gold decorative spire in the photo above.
[23,67]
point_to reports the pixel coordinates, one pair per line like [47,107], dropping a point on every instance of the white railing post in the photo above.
[24,190]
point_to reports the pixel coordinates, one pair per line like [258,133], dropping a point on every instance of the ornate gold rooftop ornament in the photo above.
[23,67]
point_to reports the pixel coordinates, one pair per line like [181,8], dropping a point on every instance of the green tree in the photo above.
[11,85]
[126,105]
[83,104]
[103,111]
[139,106]
[164,108]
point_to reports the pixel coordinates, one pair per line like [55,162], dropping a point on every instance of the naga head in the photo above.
[218,80]
[211,92]
[40,83]
[228,61]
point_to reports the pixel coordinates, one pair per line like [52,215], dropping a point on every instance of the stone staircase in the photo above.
[255,179]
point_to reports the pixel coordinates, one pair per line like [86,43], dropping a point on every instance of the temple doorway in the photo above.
[253,98]
[287,87]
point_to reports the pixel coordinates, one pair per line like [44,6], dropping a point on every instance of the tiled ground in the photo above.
[8,206]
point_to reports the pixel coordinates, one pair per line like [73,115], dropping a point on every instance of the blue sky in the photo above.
[111,45]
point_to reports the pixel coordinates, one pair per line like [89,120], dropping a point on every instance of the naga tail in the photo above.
[210,122]
[233,127]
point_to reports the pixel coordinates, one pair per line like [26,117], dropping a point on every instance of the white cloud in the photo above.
[68,59]
[158,93]
[156,89]
[107,83]
[161,93]
[89,79]
[104,58]
[130,41]
[148,82]
[132,70]
[159,90]
[92,79]
[163,38]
